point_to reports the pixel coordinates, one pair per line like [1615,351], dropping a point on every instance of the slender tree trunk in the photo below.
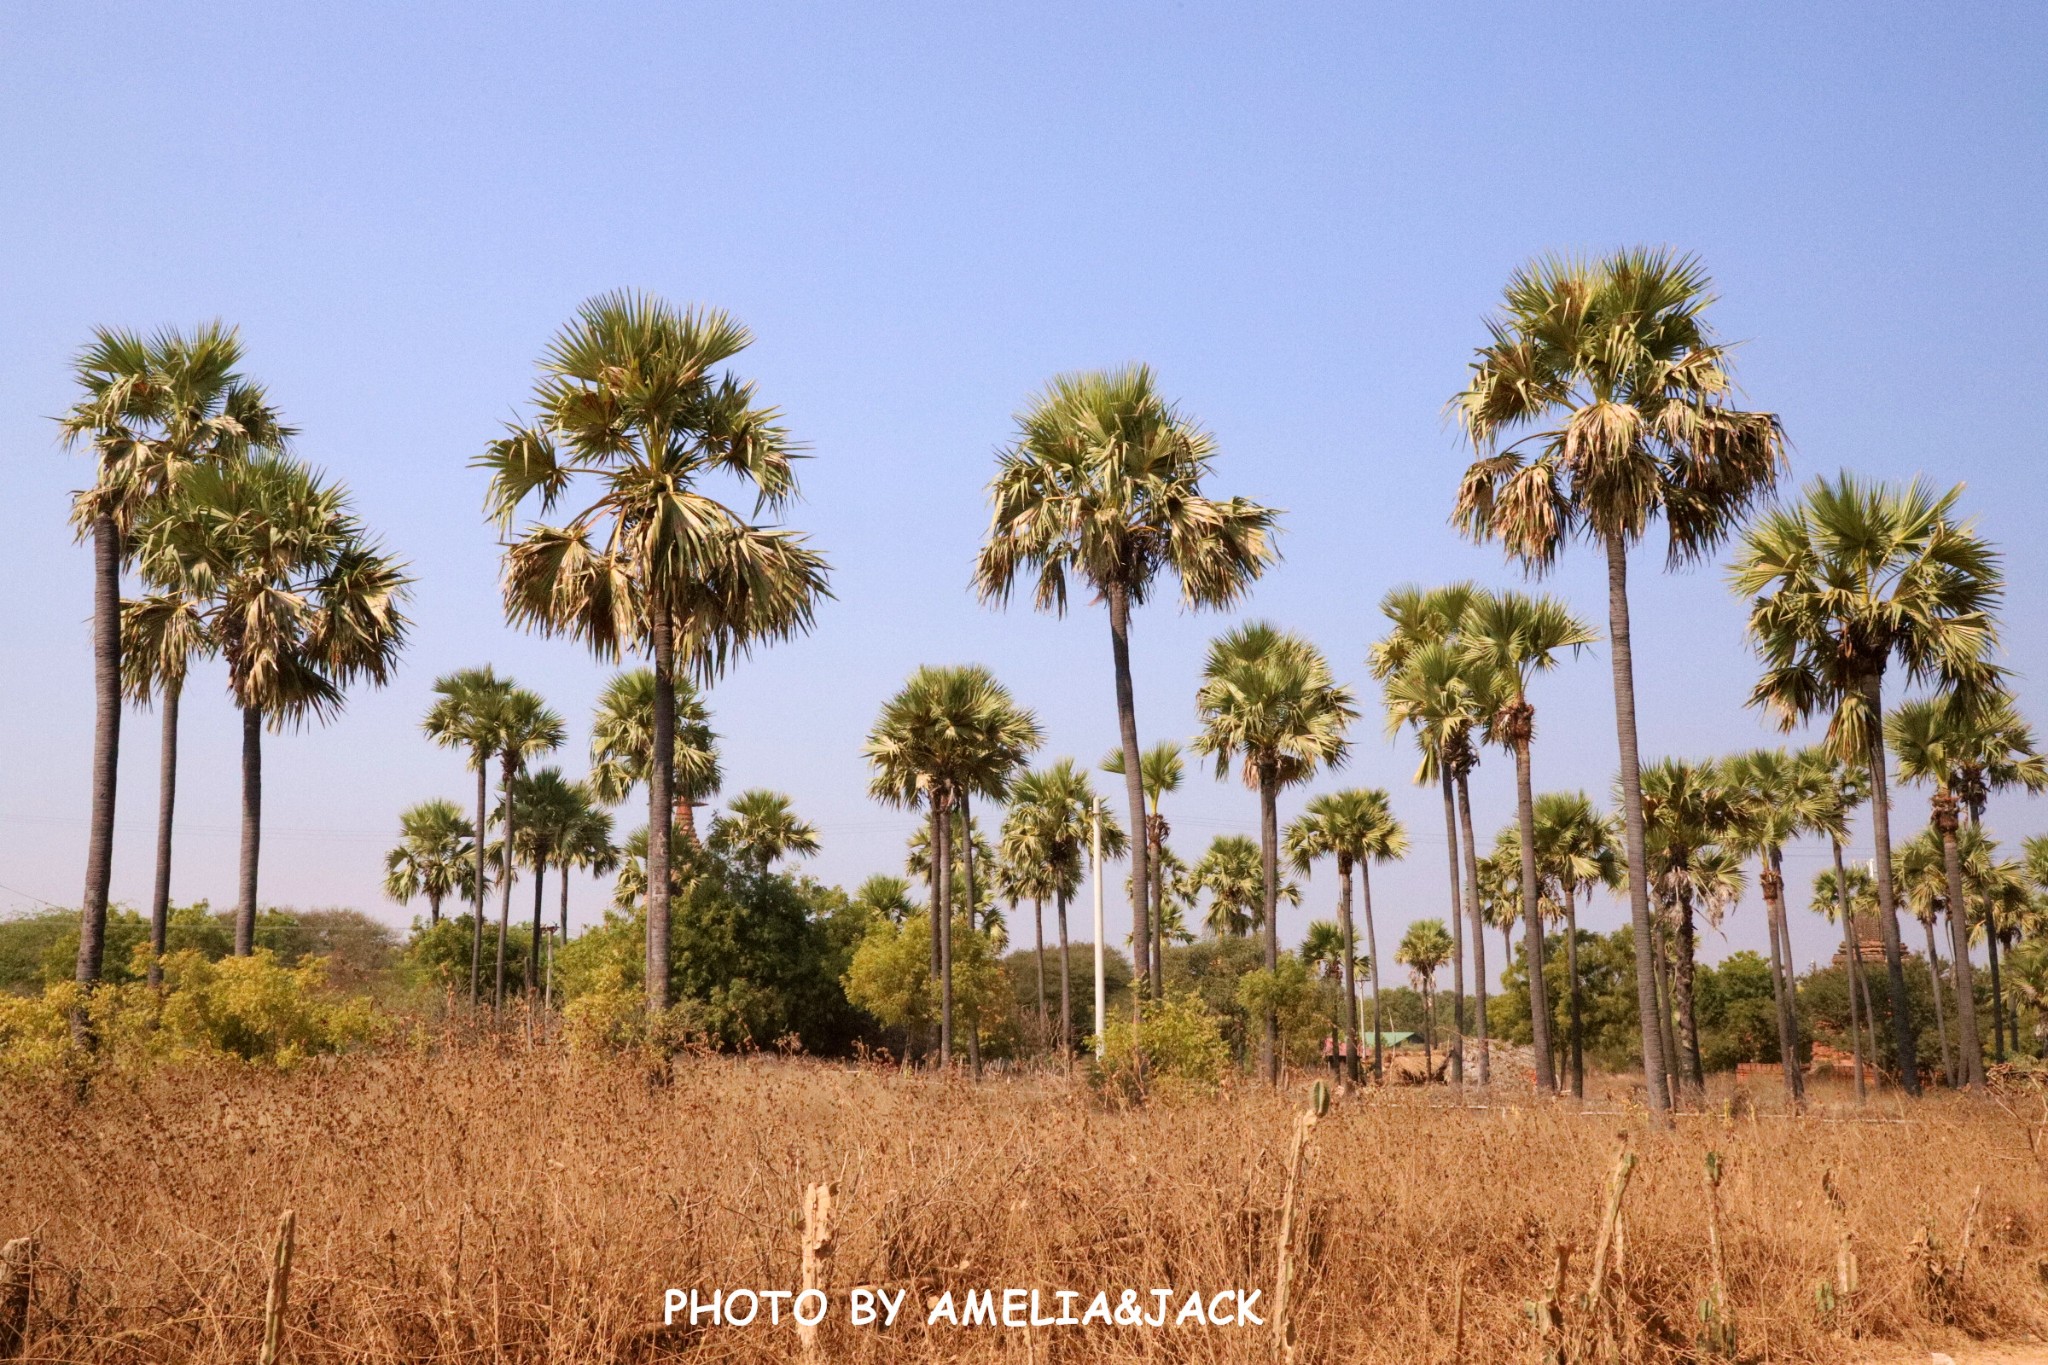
[1156,876]
[476,922]
[106,761]
[973,913]
[562,876]
[1066,980]
[1571,968]
[1667,1035]
[1948,1063]
[433,910]
[252,829]
[1478,918]
[1969,1043]
[661,801]
[1781,973]
[1532,921]
[1134,781]
[1457,941]
[540,876]
[166,806]
[1269,869]
[1351,1038]
[1997,987]
[942,906]
[1869,1014]
[1682,976]
[1852,963]
[1038,936]
[506,867]
[1903,1031]
[1632,825]
[1372,959]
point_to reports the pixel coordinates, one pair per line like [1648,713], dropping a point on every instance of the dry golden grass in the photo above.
[483,1202]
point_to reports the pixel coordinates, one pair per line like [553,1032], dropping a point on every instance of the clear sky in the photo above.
[1298,214]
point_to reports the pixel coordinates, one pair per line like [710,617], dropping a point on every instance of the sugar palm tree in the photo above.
[1511,636]
[1776,797]
[885,896]
[1424,949]
[2006,909]
[1602,400]
[1576,850]
[1053,808]
[147,409]
[527,728]
[1691,813]
[1103,483]
[622,740]
[1840,895]
[1160,771]
[1269,704]
[434,857]
[161,634]
[631,402]
[1852,578]
[948,735]
[1026,874]
[763,827]
[585,842]
[1923,884]
[2002,756]
[301,599]
[551,815]
[468,714]
[1230,873]
[1356,827]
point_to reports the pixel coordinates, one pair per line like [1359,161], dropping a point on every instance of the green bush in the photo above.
[1180,1042]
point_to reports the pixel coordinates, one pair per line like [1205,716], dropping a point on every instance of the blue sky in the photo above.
[1299,215]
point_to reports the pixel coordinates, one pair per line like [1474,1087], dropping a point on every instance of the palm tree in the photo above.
[1025,874]
[148,409]
[629,399]
[1575,851]
[527,728]
[1511,636]
[434,856]
[2002,756]
[1854,576]
[1357,828]
[885,896]
[949,734]
[302,601]
[1840,895]
[1778,796]
[763,828]
[1424,950]
[1923,883]
[1431,688]
[1160,771]
[1691,817]
[1231,874]
[468,713]
[1104,482]
[584,842]
[161,634]
[2006,909]
[1500,890]
[1617,381]
[1054,808]
[1269,702]
[622,740]
[552,816]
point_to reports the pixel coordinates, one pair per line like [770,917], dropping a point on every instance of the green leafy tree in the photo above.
[1356,827]
[435,856]
[762,828]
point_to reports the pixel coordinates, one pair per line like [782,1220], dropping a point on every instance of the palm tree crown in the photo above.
[763,827]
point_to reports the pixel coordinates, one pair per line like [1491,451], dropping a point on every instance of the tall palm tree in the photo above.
[301,599]
[1356,827]
[1575,850]
[586,843]
[434,857]
[1611,375]
[2007,908]
[1512,636]
[1230,873]
[1922,877]
[148,408]
[527,728]
[1054,807]
[763,827]
[1269,703]
[622,742]
[1842,584]
[1160,771]
[1431,688]
[630,400]
[2002,756]
[468,713]
[1026,874]
[161,634]
[1424,949]
[886,896]
[546,809]
[948,735]
[1104,482]
[1840,895]
[1777,797]
[1691,822]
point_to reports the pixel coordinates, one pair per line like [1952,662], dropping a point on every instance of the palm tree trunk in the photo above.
[1667,1035]
[252,829]
[967,869]
[1781,973]
[106,761]
[1969,1043]
[1852,963]
[1571,969]
[505,870]
[1997,989]
[433,910]
[1903,1032]
[476,924]
[1038,934]
[1269,872]
[1156,876]
[1682,976]
[942,907]
[1457,940]
[1351,1039]
[1066,981]
[1372,958]
[1134,778]
[1951,1064]
[1632,825]
[562,876]
[1532,921]
[540,876]
[1478,918]
[166,805]
[661,800]
[931,881]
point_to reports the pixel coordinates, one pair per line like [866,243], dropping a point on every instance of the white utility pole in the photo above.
[1101,991]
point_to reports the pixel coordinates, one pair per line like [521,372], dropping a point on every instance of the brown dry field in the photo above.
[479,1201]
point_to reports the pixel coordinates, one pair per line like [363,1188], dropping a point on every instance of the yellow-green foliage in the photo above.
[1180,1041]
[248,1009]
[890,976]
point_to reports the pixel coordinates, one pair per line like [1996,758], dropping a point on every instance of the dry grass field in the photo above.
[480,1201]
